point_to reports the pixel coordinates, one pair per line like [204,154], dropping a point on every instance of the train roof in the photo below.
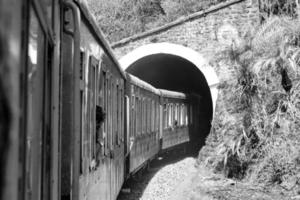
[98,34]
[142,84]
[172,94]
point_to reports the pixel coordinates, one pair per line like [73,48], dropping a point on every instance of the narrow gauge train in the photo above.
[73,125]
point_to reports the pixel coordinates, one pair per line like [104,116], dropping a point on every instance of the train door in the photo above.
[104,162]
[37,107]
[117,169]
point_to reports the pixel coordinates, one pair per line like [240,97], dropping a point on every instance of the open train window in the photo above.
[101,108]
[93,69]
[82,64]
[175,114]
[82,110]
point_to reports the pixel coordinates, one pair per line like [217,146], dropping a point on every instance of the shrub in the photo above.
[256,129]
[123,18]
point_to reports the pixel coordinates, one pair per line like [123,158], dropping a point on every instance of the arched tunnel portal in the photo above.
[174,67]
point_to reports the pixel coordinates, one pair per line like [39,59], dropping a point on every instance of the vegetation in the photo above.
[123,18]
[256,128]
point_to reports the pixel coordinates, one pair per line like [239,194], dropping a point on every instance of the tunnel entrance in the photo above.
[177,68]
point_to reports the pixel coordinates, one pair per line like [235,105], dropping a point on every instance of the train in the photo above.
[74,125]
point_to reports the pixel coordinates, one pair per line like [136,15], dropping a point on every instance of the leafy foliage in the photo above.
[256,127]
[270,8]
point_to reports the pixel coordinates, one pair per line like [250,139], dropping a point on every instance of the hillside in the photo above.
[255,134]
[123,18]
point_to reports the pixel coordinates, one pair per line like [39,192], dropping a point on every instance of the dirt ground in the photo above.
[181,179]
[205,185]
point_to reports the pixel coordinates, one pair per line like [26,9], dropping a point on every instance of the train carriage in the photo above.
[144,122]
[96,107]
[73,125]
[175,119]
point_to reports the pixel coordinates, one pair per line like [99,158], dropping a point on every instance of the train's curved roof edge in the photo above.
[172,94]
[142,84]
[99,34]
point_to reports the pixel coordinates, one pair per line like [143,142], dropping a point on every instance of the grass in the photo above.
[255,133]
[123,18]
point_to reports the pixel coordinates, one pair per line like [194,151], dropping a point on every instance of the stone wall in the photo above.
[204,31]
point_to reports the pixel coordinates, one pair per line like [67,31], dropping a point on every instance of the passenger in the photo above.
[100,117]
[175,123]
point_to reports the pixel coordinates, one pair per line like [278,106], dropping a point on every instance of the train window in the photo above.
[165,116]
[105,134]
[186,115]
[122,111]
[118,121]
[82,63]
[157,116]
[132,112]
[148,115]
[144,116]
[112,101]
[153,110]
[181,115]
[170,115]
[136,115]
[102,96]
[35,105]
[93,69]
[81,130]
[175,115]
[140,116]
[137,103]
[133,115]
[116,114]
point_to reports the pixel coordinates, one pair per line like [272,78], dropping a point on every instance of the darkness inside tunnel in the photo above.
[175,73]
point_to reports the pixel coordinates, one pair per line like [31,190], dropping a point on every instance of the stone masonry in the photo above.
[204,31]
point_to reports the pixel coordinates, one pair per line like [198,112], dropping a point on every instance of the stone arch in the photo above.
[176,50]
[175,67]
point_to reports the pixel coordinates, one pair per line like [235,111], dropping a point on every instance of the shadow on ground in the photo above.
[134,187]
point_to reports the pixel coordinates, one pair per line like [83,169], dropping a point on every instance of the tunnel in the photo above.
[177,68]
